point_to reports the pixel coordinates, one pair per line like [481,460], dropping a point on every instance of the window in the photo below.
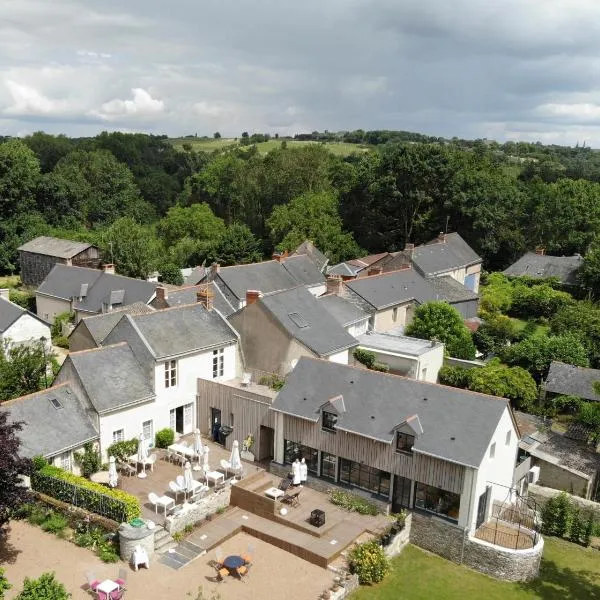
[404,442]
[437,500]
[118,436]
[218,362]
[424,374]
[328,422]
[395,314]
[188,412]
[365,477]
[63,461]
[170,373]
[148,429]
[328,464]
[508,436]
[293,451]
[493,450]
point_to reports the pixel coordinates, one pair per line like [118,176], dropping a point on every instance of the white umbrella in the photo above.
[234,460]
[142,454]
[198,449]
[205,466]
[113,478]
[187,477]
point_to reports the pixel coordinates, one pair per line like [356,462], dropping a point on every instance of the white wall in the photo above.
[432,361]
[359,328]
[57,460]
[340,357]
[25,330]
[317,290]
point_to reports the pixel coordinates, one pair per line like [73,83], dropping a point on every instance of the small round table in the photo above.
[231,563]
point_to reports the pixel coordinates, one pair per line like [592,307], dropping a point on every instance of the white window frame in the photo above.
[148,430]
[170,373]
[65,461]
[118,435]
[172,419]
[493,450]
[188,417]
[218,364]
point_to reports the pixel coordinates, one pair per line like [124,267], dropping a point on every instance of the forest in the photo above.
[151,206]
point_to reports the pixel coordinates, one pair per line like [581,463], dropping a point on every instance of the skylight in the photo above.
[57,405]
[298,320]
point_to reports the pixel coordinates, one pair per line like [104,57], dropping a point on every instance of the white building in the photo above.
[19,326]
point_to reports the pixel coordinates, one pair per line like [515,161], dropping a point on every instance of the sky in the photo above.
[498,69]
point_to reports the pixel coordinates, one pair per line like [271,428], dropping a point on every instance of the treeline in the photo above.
[151,206]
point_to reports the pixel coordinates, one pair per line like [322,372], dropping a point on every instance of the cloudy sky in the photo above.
[503,69]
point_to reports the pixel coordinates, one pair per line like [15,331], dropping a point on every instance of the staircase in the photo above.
[163,541]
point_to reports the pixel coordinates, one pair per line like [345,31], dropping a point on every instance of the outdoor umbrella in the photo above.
[187,477]
[113,478]
[198,448]
[142,454]
[205,466]
[234,459]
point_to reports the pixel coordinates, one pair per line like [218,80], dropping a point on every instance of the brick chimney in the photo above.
[5,293]
[376,270]
[409,250]
[108,268]
[162,295]
[335,285]
[215,268]
[205,296]
[280,257]
[540,251]
[252,296]
[441,238]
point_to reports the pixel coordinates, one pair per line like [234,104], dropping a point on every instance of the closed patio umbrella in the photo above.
[113,478]
[234,460]
[142,454]
[205,465]
[187,477]
[198,449]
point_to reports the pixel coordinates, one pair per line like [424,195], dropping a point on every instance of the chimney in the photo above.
[335,285]
[108,268]
[162,294]
[540,251]
[280,257]
[205,296]
[442,238]
[5,293]
[409,250]
[252,296]
[215,268]
[377,270]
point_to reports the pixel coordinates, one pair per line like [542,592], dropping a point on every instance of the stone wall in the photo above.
[438,536]
[542,494]
[130,537]
[192,513]
[400,540]
[554,476]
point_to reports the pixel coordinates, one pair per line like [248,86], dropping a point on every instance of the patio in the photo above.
[506,535]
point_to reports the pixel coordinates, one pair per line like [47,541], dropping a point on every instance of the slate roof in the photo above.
[310,250]
[100,326]
[303,270]
[66,282]
[188,295]
[9,313]
[196,275]
[52,246]
[343,311]
[366,261]
[391,289]
[344,269]
[47,430]
[111,377]
[457,425]
[570,380]
[541,266]
[399,344]
[306,319]
[450,290]
[436,257]
[179,330]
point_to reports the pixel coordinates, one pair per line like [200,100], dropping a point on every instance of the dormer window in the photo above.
[329,420]
[404,442]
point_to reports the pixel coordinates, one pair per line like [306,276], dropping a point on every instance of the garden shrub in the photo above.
[365,357]
[352,502]
[57,326]
[61,341]
[561,404]
[164,438]
[273,381]
[381,367]
[4,585]
[89,460]
[108,553]
[37,514]
[123,450]
[369,562]
[577,526]
[55,523]
[538,301]
[556,515]
[46,587]
[39,462]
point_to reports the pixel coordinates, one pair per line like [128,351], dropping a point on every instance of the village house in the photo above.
[539,265]
[19,326]
[307,248]
[38,256]
[349,315]
[169,296]
[569,380]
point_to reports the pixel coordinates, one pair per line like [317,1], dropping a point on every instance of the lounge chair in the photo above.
[165,501]
[248,555]
[242,571]
[291,497]
[284,484]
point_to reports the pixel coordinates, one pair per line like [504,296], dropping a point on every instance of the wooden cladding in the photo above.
[431,471]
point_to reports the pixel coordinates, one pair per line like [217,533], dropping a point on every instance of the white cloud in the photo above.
[142,105]
[209,109]
[572,112]
[29,101]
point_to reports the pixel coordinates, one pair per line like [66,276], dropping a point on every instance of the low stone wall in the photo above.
[130,537]
[400,540]
[542,494]
[192,513]
[438,536]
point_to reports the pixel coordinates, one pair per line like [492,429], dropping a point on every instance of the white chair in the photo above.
[176,490]
[163,501]
[225,465]
[151,461]
[180,481]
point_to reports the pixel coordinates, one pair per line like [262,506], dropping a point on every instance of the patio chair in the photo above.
[180,481]
[117,594]
[127,469]
[219,556]
[291,498]
[225,465]
[92,580]
[242,571]
[246,378]
[176,490]
[165,501]
[222,573]
[248,555]
[122,578]
[284,484]
[151,461]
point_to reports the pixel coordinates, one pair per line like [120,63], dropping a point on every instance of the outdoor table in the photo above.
[233,562]
[214,476]
[186,451]
[135,459]
[274,492]
[107,586]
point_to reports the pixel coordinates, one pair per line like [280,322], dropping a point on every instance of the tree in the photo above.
[590,270]
[132,247]
[440,321]
[4,585]
[12,492]
[170,273]
[217,135]
[581,319]
[237,246]
[538,301]
[312,216]
[46,587]
[48,148]
[15,231]
[19,176]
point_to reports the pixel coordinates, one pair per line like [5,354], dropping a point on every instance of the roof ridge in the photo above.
[99,348]
[52,387]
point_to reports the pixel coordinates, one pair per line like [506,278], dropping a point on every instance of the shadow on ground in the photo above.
[555,583]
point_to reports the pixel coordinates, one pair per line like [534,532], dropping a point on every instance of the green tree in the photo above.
[581,319]
[440,321]
[4,585]
[589,273]
[312,216]
[132,247]
[48,148]
[236,246]
[538,301]
[217,135]
[15,231]
[45,587]
[170,273]
[89,460]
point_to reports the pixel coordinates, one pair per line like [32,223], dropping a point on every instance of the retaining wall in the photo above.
[192,513]
[542,494]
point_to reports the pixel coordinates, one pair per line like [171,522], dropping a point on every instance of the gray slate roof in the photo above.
[196,275]
[541,266]
[111,377]
[344,269]
[310,250]
[187,295]
[435,258]
[391,289]
[305,319]
[400,344]
[570,380]
[377,403]
[303,270]
[450,290]
[57,247]
[343,311]
[180,330]
[65,282]
[47,431]
[9,313]
[266,277]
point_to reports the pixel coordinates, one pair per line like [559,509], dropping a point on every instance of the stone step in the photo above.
[164,545]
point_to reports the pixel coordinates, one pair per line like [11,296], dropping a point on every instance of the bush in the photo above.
[123,450]
[56,329]
[108,553]
[538,301]
[38,514]
[39,462]
[455,376]
[164,438]
[556,515]
[4,585]
[381,367]
[369,562]
[61,341]
[55,523]
[577,528]
[365,357]
[352,502]
[112,504]
[89,460]
[44,588]
[561,404]
[273,381]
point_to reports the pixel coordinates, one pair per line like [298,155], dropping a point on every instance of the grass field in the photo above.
[202,145]
[539,331]
[568,572]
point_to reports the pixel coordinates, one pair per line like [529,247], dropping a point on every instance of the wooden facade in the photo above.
[249,411]
[418,467]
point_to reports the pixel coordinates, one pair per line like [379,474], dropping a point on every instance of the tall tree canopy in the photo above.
[19,176]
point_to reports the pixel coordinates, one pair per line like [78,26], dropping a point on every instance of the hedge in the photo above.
[78,491]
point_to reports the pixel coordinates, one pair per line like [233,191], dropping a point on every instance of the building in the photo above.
[19,326]
[167,297]
[539,265]
[407,356]
[307,248]
[38,256]
[350,316]
[407,443]
[569,380]
[277,329]
[88,292]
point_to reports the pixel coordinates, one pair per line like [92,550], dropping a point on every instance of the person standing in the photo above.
[303,471]
[296,472]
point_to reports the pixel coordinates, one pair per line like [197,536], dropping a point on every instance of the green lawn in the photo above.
[204,145]
[539,331]
[569,572]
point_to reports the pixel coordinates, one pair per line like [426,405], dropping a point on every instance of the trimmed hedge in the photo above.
[113,504]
